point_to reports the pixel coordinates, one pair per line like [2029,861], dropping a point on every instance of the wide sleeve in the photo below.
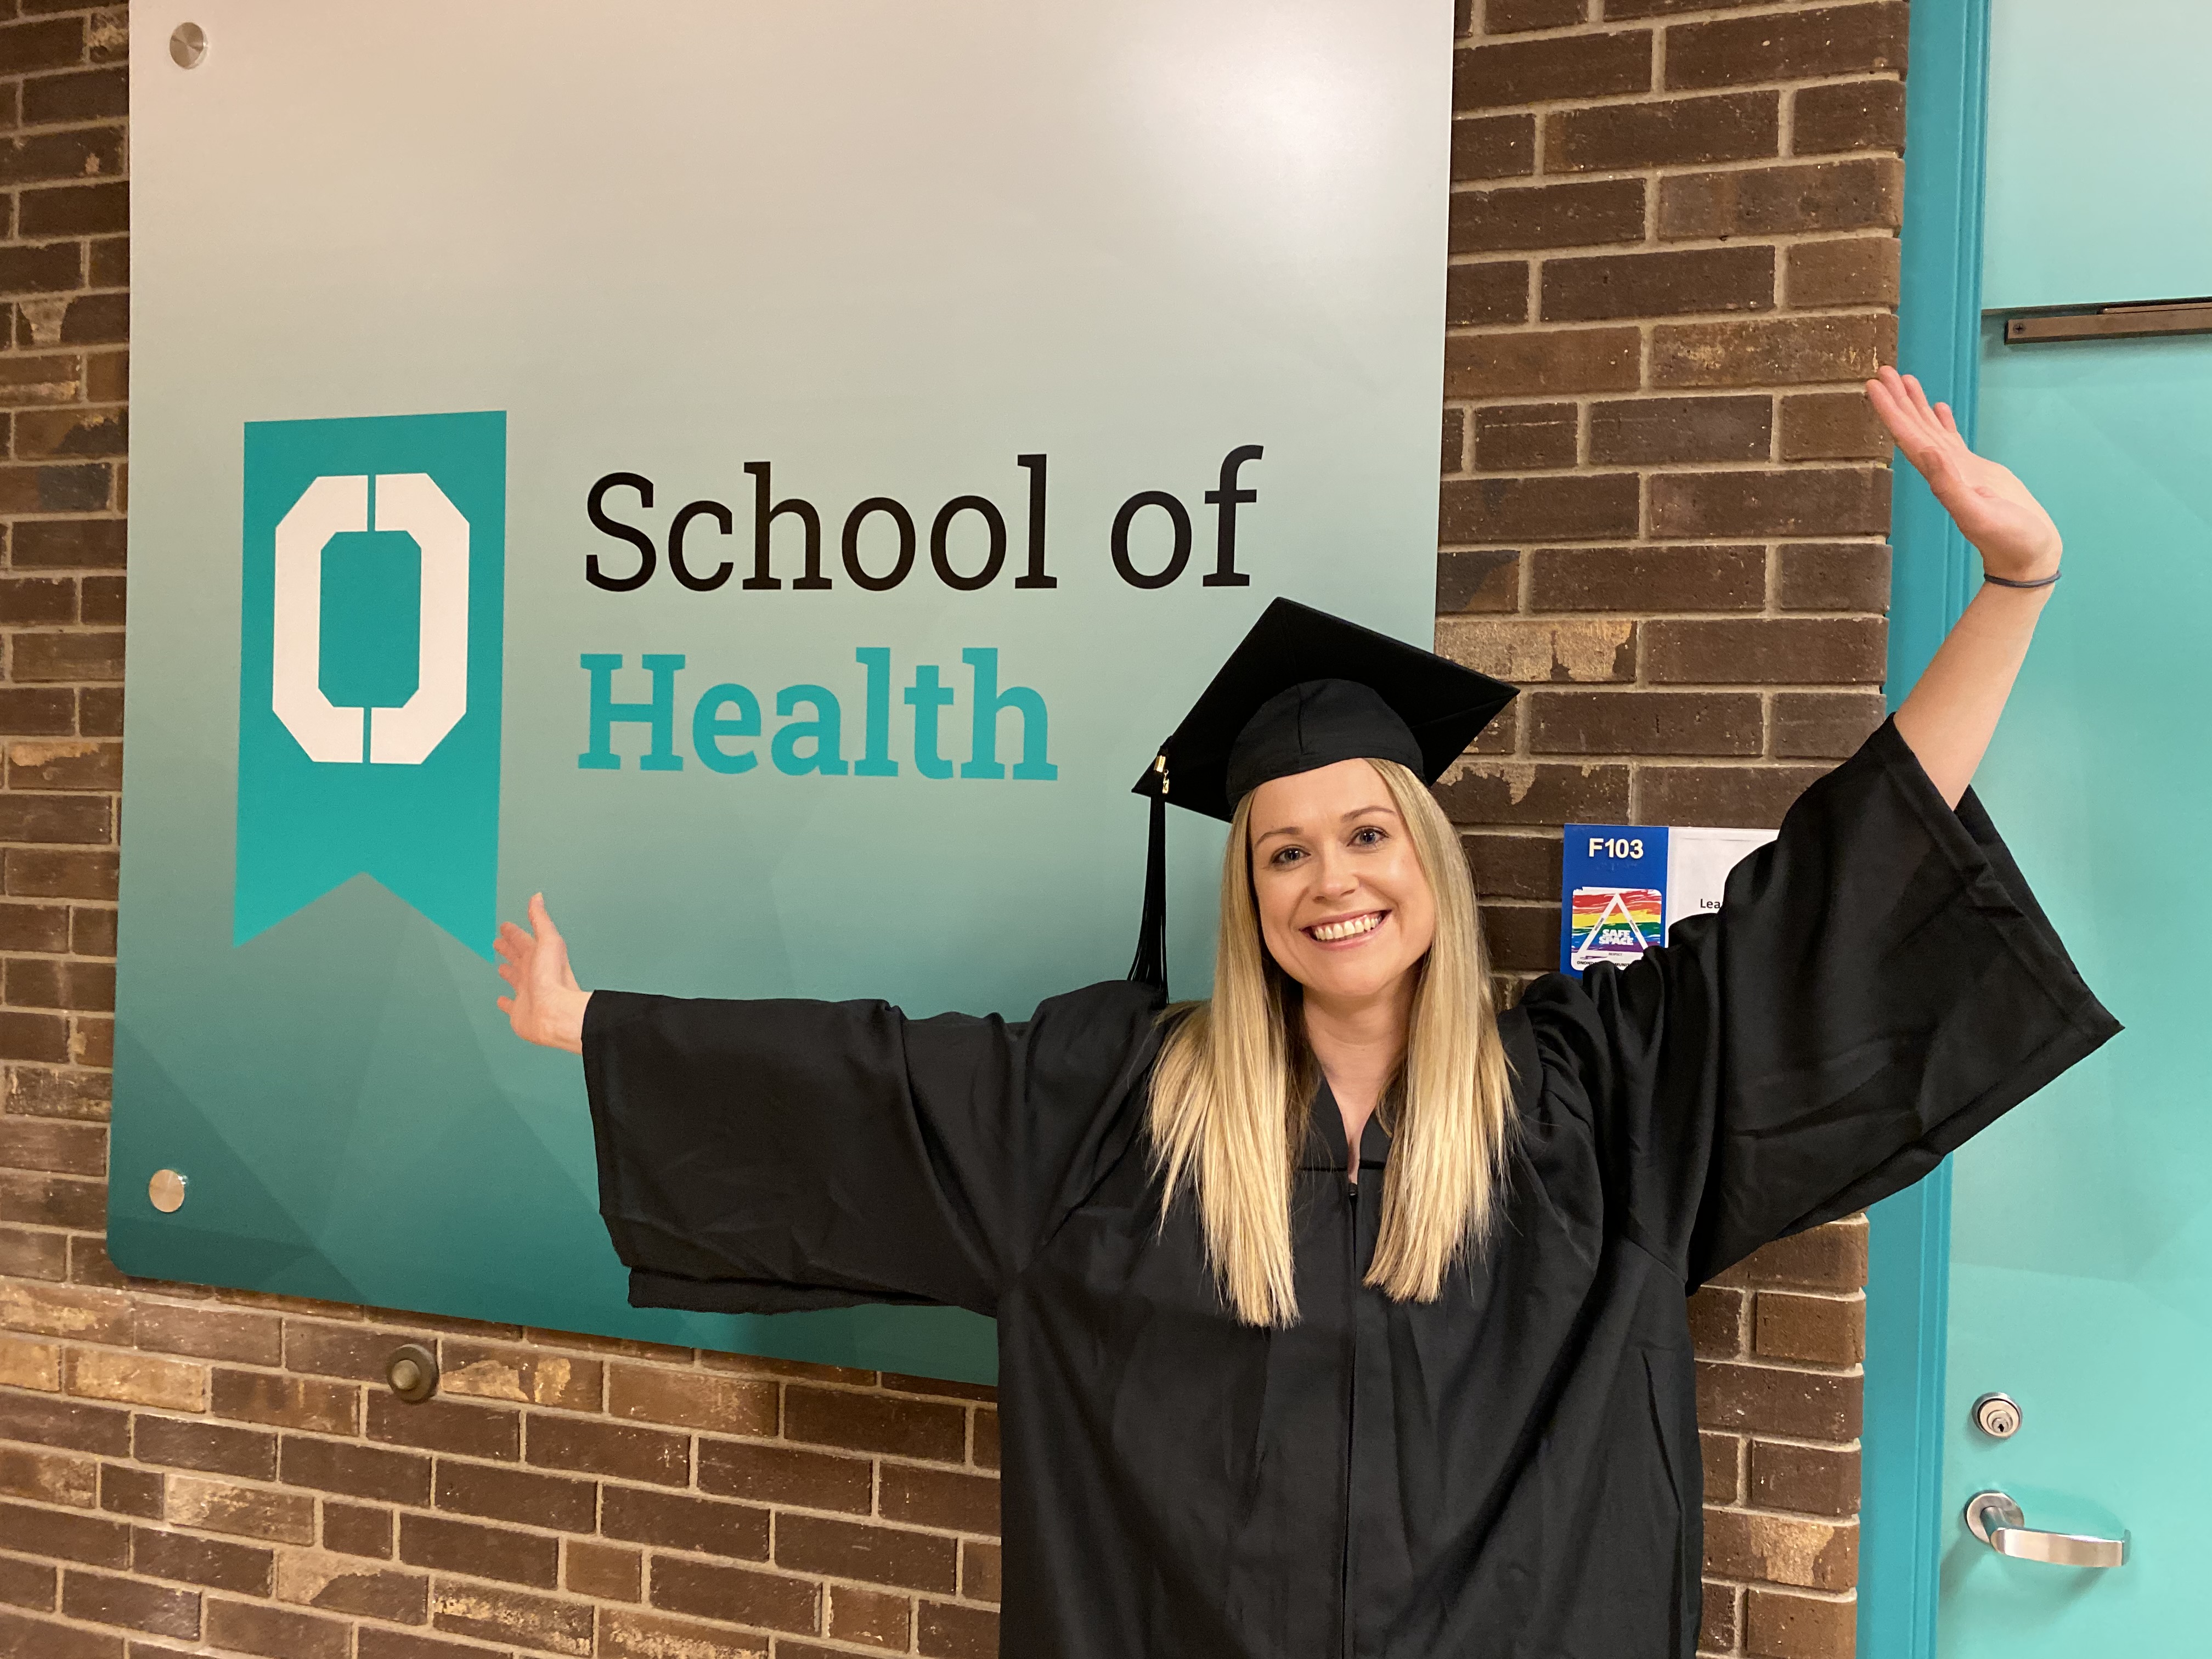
[1878,985]
[761,1157]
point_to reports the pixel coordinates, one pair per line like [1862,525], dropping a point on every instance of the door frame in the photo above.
[1931,577]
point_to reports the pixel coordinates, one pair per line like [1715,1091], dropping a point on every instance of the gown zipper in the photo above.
[1351,1404]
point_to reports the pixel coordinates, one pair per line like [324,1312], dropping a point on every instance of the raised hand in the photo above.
[1992,509]
[547,1004]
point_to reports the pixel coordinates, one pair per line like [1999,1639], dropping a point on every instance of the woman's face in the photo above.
[1345,908]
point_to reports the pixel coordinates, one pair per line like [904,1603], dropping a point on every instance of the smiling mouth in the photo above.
[1346,928]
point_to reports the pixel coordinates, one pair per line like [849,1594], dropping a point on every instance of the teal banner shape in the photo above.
[369,665]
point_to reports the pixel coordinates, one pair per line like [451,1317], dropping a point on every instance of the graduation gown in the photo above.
[1511,1472]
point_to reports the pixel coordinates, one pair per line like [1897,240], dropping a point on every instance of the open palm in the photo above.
[547,1004]
[1992,509]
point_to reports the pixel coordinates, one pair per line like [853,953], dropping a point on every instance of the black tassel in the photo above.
[1150,964]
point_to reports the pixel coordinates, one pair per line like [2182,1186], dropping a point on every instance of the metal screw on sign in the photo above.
[412,1372]
[187,45]
[166,1191]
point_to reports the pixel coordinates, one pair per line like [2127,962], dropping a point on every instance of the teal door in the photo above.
[2081,1225]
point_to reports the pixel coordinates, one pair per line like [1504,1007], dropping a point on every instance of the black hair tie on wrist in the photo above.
[2006,581]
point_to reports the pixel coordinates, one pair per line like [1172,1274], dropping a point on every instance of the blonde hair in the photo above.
[1233,1089]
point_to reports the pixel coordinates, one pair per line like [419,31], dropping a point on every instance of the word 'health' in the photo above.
[728,720]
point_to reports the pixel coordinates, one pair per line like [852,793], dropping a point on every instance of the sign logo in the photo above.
[372,593]
[1613,924]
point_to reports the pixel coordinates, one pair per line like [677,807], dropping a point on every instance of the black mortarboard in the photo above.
[1303,689]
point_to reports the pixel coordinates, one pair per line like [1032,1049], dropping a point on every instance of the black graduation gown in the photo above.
[1512,1470]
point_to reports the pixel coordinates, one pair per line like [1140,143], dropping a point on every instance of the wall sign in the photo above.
[1623,887]
[767,479]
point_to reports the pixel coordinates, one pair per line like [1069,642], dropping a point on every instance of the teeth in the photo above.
[1330,932]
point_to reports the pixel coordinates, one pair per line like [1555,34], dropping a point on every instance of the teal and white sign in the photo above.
[766,477]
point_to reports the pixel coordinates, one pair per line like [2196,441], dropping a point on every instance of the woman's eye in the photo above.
[1367,836]
[1284,855]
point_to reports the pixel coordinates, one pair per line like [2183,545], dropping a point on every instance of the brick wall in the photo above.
[1674,259]
[1662,512]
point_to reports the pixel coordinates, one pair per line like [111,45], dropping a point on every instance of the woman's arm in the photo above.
[1949,718]
[547,1004]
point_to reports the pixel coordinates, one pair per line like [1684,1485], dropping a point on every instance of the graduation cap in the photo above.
[1303,689]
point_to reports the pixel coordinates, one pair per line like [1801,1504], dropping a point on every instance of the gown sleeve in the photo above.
[1878,985]
[765,1157]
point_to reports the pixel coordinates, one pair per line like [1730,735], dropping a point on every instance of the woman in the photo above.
[1266,1396]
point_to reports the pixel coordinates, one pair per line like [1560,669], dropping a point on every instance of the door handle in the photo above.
[1996,1520]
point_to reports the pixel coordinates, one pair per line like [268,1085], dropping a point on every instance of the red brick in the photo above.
[1479,579]
[31,1584]
[1750,797]
[74,763]
[67,544]
[58,1310]
[1657,284]
[206,1332]
[430,1540]
[1742,126]
[1655,431]
[340,1584]
[47,268]
[1781,1549]
[358,1471]
[1522,938]
[92,929]
[91,1539]
[741,1596]
[940,1498]
[608,1448]
[286,1517]
[1544,793]
[1518,437]
[879,1619]
[1505,16]
[602,1571]
[76,95]
[243,1627]
[979,1570]
[1855,270]
[49,43]
[1786,1626]
[1647,578]
[43,433]
[357,1529]
[696,1400]
[1824,725]
[784,1477]
[945,1632]
[37,601]
[866,1422]
[1849,115]
[1717,1322]
[1830,1258]
[625,1635]
[1487,294]
[25,380]
[1775,1400]
[96,320]
[34,711]
[1572,214]
[208,1562]
[377,1642]
[1791,350]
[1635,722]
[1833,576]
[1722,1458]
[156,1610]
[1454,444]
[82,656]
[1768,650]
[1513,866]
[1566,507]
[445,1425]
[1542,362]
[534,1500]
[1720,1618]
[292,1402]
[1800,44]
[1534,71]
[41,872]
[76,210]
[1862,194]
[56,488]
[1790,501]
[1832,426]
[527,1376]
[138,1379]
[210,1447]
[358,1353]
[1493,146]
[1829,1330]
[49,1477]
[672,1520]
[1816,1480]
[53,1144]
[26,1254]
[33,1037]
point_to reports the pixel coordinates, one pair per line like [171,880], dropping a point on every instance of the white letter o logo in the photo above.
[405,736]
